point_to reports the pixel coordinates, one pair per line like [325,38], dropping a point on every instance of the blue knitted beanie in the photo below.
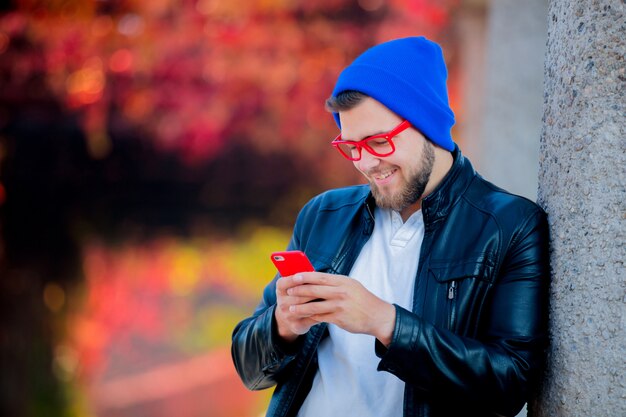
[408,76]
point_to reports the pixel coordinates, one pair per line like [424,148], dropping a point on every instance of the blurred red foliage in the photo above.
[194,75]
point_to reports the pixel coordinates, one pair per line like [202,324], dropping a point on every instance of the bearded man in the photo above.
[430,291]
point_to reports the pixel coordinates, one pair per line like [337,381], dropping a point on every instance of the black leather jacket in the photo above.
[474,340]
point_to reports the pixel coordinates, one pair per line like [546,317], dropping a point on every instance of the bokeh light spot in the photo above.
[54,297]
[121,60]
[85,86]
[99,144]
[65,365]
[131,25]
[371,5]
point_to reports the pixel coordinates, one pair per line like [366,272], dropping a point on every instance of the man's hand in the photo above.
[344,302]
[290,325]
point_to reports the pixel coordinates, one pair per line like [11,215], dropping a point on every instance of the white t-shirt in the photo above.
[347,382]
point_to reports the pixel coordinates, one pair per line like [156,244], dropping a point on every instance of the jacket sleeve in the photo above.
[498,367]
[261,358]
[258,353]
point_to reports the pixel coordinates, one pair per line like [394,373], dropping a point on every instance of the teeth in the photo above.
[384,175]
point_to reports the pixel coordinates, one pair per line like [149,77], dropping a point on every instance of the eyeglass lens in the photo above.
[375,146]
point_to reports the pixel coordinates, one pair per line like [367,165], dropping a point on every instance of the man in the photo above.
[430,291]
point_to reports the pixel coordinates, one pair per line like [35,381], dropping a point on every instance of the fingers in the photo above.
[317,278]
[313,310]
[316,286]
[315,292]
[284,283]
[304,287]
[284,303]
[284,298]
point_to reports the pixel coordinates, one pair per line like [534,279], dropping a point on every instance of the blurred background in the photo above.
[152,154]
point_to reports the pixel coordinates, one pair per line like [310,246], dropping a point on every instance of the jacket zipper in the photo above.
[451,296]
[451,290]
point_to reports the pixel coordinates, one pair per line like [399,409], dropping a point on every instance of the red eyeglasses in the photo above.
[377,145]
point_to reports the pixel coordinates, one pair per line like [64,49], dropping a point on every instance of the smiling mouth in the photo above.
[383,175]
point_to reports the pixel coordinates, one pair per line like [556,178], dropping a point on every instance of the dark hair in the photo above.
[344,101]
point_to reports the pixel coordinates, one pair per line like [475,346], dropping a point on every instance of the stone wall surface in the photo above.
[582,175]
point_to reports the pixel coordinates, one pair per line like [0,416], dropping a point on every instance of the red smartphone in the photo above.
[291,262]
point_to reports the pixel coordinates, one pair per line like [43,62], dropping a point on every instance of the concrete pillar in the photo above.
[506,148]
[582,187]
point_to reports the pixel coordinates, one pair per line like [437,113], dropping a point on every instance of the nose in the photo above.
[367,161]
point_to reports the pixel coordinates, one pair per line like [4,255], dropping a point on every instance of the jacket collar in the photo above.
[439,202]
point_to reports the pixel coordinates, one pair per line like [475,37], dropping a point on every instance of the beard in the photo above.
[412,191]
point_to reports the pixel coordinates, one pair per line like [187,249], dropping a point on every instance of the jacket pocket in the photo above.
[447,270]
[461,289]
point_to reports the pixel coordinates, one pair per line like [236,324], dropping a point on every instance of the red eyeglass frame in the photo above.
[360,144]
